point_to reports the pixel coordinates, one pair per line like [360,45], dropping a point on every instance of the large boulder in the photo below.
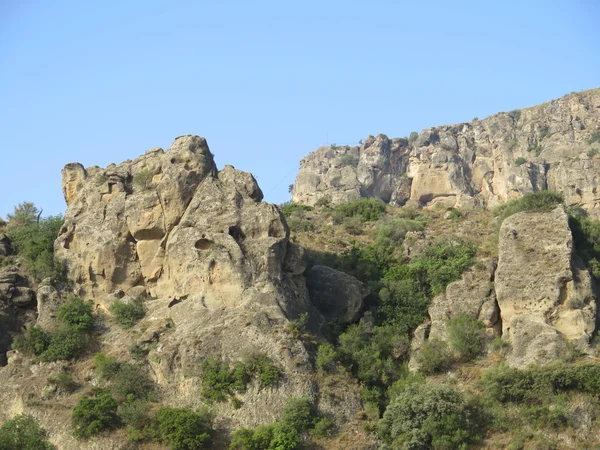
[337,295]
[545,294]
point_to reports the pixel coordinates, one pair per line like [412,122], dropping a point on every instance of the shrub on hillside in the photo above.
[540,201]
[390,233]
[130,380]
[143,178]
[126,314]
[367,209]
[288,208]
[76,313]
[34,341]
[434,357]
[65,343]
[63,381]
[429,416]
[33,240]
[22,432]
[349,160]
[586,234]
[134,413]
[467,336]
[184,429]
[93,415]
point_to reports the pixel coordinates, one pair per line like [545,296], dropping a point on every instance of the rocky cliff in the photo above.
[484,162]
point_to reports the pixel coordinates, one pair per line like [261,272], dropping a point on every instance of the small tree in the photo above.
[24,433]
[467,336]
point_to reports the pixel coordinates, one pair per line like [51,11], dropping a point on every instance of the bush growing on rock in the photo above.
[93,415]
[76,313]
[541,201]
[467,336]
[34,341]
[126,314]
[33,239]
[22,432]
[434,357]
[288,208]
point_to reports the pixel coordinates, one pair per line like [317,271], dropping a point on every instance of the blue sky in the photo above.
[265,82]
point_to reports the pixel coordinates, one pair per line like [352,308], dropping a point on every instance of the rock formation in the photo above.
[538,298]
[550,146]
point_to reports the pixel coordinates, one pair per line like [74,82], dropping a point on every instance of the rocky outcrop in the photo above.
[484,162]
[212,262]
[545,294]
[337,295]
[538,298]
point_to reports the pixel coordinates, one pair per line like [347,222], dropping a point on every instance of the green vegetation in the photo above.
[520,161]
[349,160]
[586,234]
[22,432]
[413,136]
[93,415]
[430,416]
[143,178]
[126,380]
[299,417]
[184,429]
[367,209]
[126,314]
[592,152]
[288,208]
[434,357]
[63,381]
[220,382]
[541,201]
[544,132]
[515,115]
[594,137]
[32,238]
[466,336]
[389,233]
[69,340]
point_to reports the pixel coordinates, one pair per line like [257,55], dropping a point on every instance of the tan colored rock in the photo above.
[469,163]
[544,293]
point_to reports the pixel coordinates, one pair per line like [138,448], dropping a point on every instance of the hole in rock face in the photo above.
[203,244]
[236,233]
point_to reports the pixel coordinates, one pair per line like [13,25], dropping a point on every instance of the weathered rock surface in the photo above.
[538,298]
[545,294]
[212,264]
[337,295]
[468,163]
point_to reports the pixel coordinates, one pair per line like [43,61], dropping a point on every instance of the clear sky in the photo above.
[266,82]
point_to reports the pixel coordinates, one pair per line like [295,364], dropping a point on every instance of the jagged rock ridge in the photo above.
[482,162]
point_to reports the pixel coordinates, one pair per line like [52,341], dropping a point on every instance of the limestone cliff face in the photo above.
[482,162]
[538,297]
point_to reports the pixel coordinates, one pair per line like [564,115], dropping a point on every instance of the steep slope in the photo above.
[550,146]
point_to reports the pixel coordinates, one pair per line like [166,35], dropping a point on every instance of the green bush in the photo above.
[34,341]
[93,415]
[594,137]
[434,357]
[544,132]
[24,433]
[515,114]
[65,343]
[536,384]
[126,314]
[33,241]
[326,359]
[130,380]
[300,414]
[413,136]
[430,416]
[367,209]
[541,201]
[299,224]
[76,313]
[467,336]
[220,382]
[349,160]
[390,232]
[586,234]
[106,366]
[353,225]
[249,439]
[267,373]
[288,208]
[134,413]
[184,429]
[63,381]
[323,428]
[408,289]
[520,160]
[593,152]
[143,178]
